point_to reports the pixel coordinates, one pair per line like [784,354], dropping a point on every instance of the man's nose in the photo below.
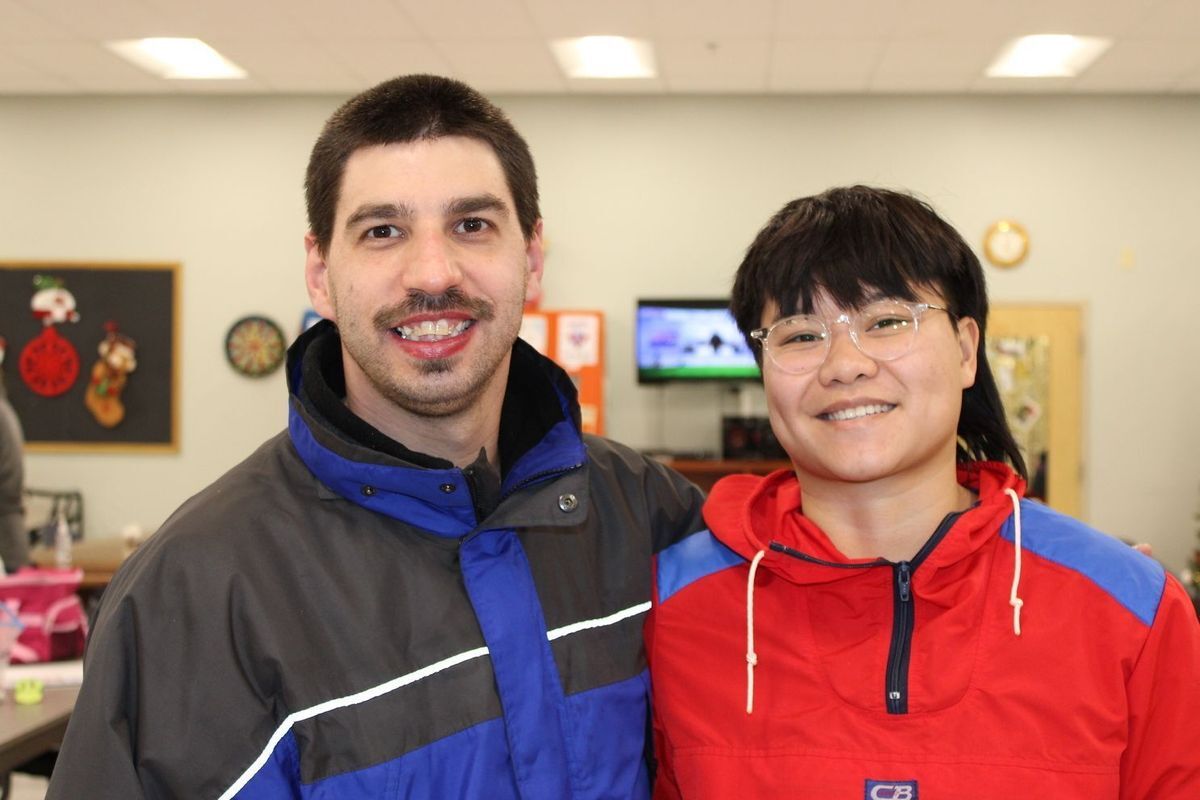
[432,264]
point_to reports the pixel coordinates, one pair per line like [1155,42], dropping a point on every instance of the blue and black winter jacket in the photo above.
[338,617]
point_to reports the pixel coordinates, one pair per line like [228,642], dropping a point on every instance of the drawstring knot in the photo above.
[751,656]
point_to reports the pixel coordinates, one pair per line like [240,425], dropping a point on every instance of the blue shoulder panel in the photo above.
[690,560]
[1132,579]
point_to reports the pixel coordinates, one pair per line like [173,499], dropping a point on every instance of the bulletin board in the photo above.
[143,302]
[575,341]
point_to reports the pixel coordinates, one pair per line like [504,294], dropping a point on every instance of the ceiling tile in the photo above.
[86,66]
[713,19]
[17,76]
[465,19]
[110,19]
[373,61]
[707,65]
[1082,17]
[616,85]
[18,23]
[823,65]
[555,19]
[955,19]
[843,19]
[1189,83]
[1170,19]
[354,20]
[271,19]
[931,64]
[296,66]
[1128,65]
[804,46]
[512,65]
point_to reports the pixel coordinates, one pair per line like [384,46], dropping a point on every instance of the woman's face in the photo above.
[854,419]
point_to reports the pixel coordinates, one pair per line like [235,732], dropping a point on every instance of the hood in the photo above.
[748,513]
[540,439]
[753,516]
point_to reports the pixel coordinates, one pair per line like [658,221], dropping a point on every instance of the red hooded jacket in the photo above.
[930,679]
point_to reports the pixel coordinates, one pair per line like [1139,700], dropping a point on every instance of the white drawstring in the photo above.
[751,656]
[1013,600]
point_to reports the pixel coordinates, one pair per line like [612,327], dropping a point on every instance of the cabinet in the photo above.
[705,472]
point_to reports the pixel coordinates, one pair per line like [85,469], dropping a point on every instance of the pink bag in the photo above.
[54,619]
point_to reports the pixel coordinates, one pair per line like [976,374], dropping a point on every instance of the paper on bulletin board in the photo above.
[578,344]
[535,330]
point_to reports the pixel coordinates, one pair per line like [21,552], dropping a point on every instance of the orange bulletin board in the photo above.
[575,341]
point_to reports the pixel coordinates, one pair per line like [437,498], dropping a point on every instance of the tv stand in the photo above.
[705,472]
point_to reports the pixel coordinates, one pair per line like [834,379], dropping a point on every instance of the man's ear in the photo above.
[535,259]
[968,342]
[316,278]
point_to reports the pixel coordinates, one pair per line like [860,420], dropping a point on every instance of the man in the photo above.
[889,618]
[432,585]
[14,538]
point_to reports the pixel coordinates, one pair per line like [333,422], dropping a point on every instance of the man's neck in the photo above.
[457,437]
[890,518]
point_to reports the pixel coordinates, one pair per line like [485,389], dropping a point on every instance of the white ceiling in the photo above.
[501,46]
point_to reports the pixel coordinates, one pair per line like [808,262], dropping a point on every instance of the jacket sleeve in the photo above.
[97,755]
[665,787]
[1162,759]
[176,701]
[674,503]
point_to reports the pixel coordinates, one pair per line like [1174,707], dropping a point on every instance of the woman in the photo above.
[889,619]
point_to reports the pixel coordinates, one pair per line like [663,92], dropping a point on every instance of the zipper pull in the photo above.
[904,581]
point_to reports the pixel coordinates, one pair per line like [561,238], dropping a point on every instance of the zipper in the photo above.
[538,477]
[895,692]
[903,619]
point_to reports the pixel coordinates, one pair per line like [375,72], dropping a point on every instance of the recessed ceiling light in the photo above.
[177,59]
[605,57]
[1047,55]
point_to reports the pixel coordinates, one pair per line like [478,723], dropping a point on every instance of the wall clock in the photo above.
[1006,243]
[255,346]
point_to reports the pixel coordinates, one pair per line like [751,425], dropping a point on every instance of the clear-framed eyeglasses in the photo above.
[884,330]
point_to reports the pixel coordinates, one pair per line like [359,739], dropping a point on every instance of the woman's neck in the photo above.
[889,518]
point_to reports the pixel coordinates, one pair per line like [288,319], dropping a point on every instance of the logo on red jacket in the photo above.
[891,790]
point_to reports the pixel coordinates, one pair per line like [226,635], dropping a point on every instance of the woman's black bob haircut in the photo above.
[859,243]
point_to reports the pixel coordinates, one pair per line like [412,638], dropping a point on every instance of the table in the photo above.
[29,731]
[704,472]
[98,558]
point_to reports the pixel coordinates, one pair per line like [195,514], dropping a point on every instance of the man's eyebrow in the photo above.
[480,202]
[379,211]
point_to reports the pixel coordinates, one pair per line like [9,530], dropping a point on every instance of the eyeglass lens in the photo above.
[884,331]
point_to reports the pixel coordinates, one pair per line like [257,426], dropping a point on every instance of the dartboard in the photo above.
[49,364]
[255,346]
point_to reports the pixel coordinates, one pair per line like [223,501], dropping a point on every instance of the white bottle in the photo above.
[62,543]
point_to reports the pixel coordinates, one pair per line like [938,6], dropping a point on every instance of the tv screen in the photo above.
[690,340]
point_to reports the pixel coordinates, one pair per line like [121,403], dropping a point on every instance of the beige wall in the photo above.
[650,196]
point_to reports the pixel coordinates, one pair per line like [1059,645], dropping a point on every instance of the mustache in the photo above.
[419,302]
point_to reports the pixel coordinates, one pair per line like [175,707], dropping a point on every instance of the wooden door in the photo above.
[1036,354]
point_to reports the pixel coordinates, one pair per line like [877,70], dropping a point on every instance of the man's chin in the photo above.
[435,366]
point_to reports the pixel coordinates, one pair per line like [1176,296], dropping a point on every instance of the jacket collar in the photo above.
[748,513]
[539,438]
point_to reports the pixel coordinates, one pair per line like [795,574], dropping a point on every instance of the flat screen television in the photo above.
[690,340]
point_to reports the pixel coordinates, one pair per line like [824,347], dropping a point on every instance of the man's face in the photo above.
[426,277]
[854,419]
